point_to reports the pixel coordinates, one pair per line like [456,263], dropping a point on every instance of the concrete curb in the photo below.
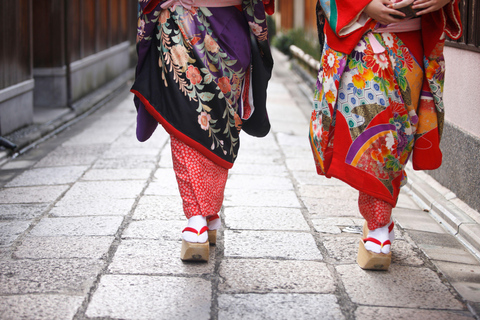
[437,201]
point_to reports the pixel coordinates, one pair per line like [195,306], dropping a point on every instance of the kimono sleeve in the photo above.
[346,23]
[345,16]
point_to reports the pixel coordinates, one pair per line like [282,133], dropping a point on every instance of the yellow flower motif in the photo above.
[431,69]
[367,75]
[330,96]
[358,81]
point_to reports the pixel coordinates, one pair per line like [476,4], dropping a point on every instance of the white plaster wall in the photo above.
[298,14]
[462,89]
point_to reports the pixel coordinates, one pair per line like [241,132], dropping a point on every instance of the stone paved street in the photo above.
[90,224]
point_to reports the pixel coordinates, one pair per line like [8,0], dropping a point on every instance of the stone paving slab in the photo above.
[273,306]
[22,211]
[291,127]
[335,225]
[154,257]
[399,287]
[306,178]
[94,190]
[18,164]
[77,226]
[300,164]
[39,307]
[139,297]
[239,181]
[126,162]
[457,254]
[9,231]
[119,151]
[77,207]
[63,247]
[162,188]
[72,156]
[405,201]
[271,244]
[48,176]
[281,111]
[295,151]
[259,169]
[368,313]
[116,174]
[96,134]
[64,276]
[159,207]
[321,208]
[155,229]
[264,218]
[128,139]
[293,140]
[262,145]
[410,219]
[261,198]
[275,276]
[329,192]
[464,277]
[42,194]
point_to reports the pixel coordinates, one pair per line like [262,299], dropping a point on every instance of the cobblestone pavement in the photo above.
[91,219]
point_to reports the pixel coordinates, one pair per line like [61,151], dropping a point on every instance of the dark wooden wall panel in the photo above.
[115,32]
[15,42]
[470,15]
[103,38]
[52,33]
[89,27]
[125,21]
[48,34]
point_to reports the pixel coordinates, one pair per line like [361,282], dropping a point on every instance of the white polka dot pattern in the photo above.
[377,212]
[201,181]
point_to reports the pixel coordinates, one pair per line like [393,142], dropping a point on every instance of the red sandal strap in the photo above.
[390,227]
[376,241]
[192,230]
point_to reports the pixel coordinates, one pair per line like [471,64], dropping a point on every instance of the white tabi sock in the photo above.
[382,235]
[197,223]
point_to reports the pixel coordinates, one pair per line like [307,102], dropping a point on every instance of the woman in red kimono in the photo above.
[202,73]
[378,101]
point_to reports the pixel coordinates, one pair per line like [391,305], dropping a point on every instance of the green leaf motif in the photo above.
[206,96]
[230,62]
[206,11]
[208,79]
[176,39]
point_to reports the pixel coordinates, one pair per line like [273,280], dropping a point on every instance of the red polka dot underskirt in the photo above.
[201,181]
[377,212]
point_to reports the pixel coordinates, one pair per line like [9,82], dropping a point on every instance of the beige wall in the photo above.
[462,89]
[298,14]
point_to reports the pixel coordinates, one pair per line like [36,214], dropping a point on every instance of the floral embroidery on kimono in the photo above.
[372,109]
[194,65]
